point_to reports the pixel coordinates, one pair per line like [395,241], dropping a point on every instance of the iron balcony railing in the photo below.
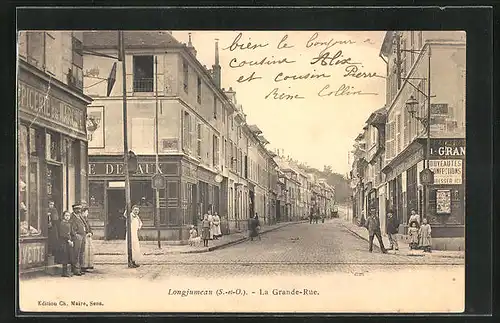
[143,85]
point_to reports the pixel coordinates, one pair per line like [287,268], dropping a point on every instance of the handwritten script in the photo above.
[332,57]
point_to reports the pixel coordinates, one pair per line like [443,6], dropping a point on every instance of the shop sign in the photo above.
[446,171]
[44,105]
[32,253]
[447,148]
[117,169]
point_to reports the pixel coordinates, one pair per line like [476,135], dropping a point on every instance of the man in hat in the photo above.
[373,226]
[79,232]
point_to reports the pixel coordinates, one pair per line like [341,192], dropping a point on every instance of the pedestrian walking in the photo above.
[216,226]
[373,226]
[79,233]
[211,220]
[311,216]
[135,226]
[425,236]
[88,253]
[66,242]
[205,227]
[392,230]
[257,225]
[413,235]
[253,227]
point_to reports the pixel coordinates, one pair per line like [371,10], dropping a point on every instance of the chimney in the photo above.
[216,67]
[191,47]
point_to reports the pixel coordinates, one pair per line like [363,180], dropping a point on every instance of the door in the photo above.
[116,222]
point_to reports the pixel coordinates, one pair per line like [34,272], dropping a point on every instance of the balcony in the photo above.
[143,84]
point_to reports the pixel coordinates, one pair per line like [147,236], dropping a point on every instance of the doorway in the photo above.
[116,222]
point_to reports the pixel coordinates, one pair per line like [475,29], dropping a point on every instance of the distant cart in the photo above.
[335,211]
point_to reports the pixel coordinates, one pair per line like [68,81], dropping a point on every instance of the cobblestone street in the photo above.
[326,257]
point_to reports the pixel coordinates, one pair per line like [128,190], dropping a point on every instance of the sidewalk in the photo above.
[150,248]
[404,248]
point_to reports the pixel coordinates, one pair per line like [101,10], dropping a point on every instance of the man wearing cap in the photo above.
[79,231]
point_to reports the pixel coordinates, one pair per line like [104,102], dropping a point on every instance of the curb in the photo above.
[408,254]
[224,245]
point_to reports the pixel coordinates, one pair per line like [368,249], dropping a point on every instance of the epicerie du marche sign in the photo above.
[43,105]
[446,171]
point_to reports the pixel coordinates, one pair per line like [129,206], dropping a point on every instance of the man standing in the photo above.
[79,232]
[53,224]
[392,230]
[373,226]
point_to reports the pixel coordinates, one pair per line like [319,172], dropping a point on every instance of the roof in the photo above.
[98,39]
[253,128]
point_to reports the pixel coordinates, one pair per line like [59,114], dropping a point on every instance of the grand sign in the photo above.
[31,254]
[447,148]
[117,169]
[46,106]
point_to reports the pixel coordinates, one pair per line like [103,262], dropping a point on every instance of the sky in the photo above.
[319,123]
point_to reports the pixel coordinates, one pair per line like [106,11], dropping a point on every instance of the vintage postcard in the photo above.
[241,171]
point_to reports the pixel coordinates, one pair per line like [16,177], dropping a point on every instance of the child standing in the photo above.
[66,241]
[193,234]
[413,233]
[425,236]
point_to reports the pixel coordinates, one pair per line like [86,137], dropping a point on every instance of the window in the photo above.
[198,93]
[398,134]
[246,166]
[51,54]
[186,132]
[215,152]
[198,148]
[35,48]
[22,44]
[226,154]
[52,146]
[96,202]
[412,47]
[420,39]
[215,107]
[76,76]
[142,193]
[223,115]
[185,73]
[143,73]
[240,169]
[232,123]
[29,181]
[404,54]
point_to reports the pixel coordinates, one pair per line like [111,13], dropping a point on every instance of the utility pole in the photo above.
[428,143]
[157,191]
[121,45]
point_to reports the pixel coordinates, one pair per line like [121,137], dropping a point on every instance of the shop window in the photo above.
[142,194]
[29,181]
[96,202]
[52,146]
[143,73]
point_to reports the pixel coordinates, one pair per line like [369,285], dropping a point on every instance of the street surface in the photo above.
[330,266]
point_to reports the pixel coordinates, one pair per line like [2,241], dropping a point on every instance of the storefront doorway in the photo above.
[116,222]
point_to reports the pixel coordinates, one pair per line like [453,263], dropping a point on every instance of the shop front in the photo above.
[447,194]
[52,159]
[107,197]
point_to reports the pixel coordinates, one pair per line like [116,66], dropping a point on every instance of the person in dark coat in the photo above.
[79,232]
[253,227]
[66,241]
[373,226]
[392,230]
[53,234]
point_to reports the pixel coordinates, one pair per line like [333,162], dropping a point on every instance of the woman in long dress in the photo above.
[88,252]
[135,226]
[216,228]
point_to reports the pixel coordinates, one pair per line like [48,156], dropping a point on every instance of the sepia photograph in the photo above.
[223,171]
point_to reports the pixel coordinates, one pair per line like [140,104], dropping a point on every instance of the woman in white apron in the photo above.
[135,225]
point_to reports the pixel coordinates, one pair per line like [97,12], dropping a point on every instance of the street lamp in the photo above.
[426,176]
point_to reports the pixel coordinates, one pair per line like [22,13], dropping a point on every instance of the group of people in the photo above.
[210,229]
[315,216]
[70,239]
[419,233]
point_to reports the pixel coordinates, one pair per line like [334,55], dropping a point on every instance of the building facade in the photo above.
[52,138]
[161,74]
[415,58]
